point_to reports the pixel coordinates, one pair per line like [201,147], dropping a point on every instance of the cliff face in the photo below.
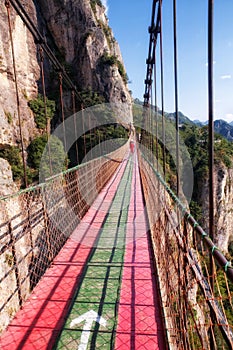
[79,31]
[27,75]
[223,180]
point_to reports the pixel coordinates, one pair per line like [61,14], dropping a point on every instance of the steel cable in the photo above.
[7,4]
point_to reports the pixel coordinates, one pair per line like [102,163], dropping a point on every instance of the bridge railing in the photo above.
[37,222]
[196,303]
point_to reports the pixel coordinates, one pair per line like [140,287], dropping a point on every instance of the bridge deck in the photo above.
[100,292]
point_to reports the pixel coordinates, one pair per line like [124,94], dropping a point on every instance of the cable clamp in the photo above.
[183,209]
[204,234]
[213,249]
[228,264]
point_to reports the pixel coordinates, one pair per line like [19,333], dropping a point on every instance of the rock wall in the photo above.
[223,180]
[82,33]
[79,30]
[28,72]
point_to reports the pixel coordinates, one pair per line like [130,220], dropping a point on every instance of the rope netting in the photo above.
[37,222]
[196,315]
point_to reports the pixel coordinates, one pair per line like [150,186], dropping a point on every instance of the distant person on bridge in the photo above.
[132,146]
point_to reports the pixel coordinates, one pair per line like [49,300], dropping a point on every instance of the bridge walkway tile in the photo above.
[139,313]
[38,323]
[106,267]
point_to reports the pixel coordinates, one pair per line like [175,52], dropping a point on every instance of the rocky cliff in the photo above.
[28,73]
[223,180]
[79,34]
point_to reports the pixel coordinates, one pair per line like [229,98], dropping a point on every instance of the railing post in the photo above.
[16,268]
[47,235]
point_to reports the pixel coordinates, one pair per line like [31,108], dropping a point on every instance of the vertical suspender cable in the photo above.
[7,4]
[211,119]
[41,54]
[211,148]
[62,109]
[156,111]
[162,91]
[84,132]
[151,121]
[75,125]
[176,103]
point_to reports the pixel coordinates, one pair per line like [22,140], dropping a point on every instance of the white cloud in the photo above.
[105,3]
[225,76]
[229,117]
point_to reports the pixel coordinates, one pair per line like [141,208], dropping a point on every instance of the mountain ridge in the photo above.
[221,126]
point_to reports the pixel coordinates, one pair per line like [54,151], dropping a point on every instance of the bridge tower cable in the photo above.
[154,30]
[162,90]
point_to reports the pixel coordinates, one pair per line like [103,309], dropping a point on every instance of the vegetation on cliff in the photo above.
[37,105]
[195,138]
[112,60]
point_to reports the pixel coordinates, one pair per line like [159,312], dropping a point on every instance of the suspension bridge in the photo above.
[105,255]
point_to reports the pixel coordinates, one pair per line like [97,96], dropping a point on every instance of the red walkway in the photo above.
[38,324]
[139,317]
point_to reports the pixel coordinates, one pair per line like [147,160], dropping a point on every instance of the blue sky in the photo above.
[130,19]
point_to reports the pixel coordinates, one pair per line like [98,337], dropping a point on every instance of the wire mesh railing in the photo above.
[184,254]
[38,221]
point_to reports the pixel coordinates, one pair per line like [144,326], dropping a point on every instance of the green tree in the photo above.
[35,151]
[91,98]
[55,155]
[42,154]
[38,107]
[13,155]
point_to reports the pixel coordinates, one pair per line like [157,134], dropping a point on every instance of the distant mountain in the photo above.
[199,123]
[223,128]
[220,126]
[182,118]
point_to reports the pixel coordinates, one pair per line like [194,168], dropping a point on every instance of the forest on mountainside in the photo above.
[194,140]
